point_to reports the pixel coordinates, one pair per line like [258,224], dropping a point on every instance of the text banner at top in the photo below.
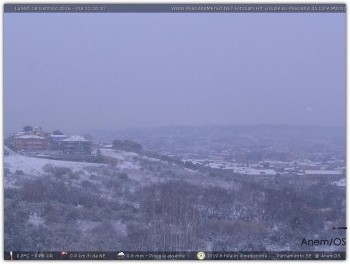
[174,8]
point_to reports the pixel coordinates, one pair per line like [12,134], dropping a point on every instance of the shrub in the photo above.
[10,193]
[89,185]
[34,191]
[123,176]
[19,172]
[7,171]
[127,145]
[56,171]
[109,160]
[74,175]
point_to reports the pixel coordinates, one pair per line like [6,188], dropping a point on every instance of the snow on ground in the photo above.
[128,165]
[151,159]
[85,226]
[341,182]
[143,178]
[118,154]
[154,160]
[36,220]
[127,161]
[31,165]
[240,170]
[196,161]
[187,169]
[120,228]
[125,158]
[34,166]
[11,152]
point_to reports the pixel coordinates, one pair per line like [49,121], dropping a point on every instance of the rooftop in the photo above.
[75,138]
[30,137]
[323,172]
[58,136]
[19,134]
[260,172]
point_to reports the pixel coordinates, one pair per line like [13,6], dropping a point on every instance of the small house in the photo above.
[76,145]
[55,141]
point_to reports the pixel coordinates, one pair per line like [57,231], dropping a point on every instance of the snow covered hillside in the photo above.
[145,201]
[141,168]
[34,166]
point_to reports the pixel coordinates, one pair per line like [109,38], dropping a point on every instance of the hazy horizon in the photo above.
[71,131]
[79,72]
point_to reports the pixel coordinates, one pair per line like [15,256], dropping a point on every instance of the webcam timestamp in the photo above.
[59,8]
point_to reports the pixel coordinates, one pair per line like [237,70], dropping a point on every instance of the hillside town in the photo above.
[263,152]
[261,165]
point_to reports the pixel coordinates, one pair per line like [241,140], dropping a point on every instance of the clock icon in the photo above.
[200,255]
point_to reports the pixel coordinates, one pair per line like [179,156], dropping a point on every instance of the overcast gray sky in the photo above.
[110,71]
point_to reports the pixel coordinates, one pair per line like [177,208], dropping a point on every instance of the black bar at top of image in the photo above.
[174,8]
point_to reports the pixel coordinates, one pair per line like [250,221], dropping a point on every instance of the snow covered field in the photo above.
[125,159]
[34,166]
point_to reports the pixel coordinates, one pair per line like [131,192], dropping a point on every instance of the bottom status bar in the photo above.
[184,255]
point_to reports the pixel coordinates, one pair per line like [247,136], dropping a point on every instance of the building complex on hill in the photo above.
[36,139]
